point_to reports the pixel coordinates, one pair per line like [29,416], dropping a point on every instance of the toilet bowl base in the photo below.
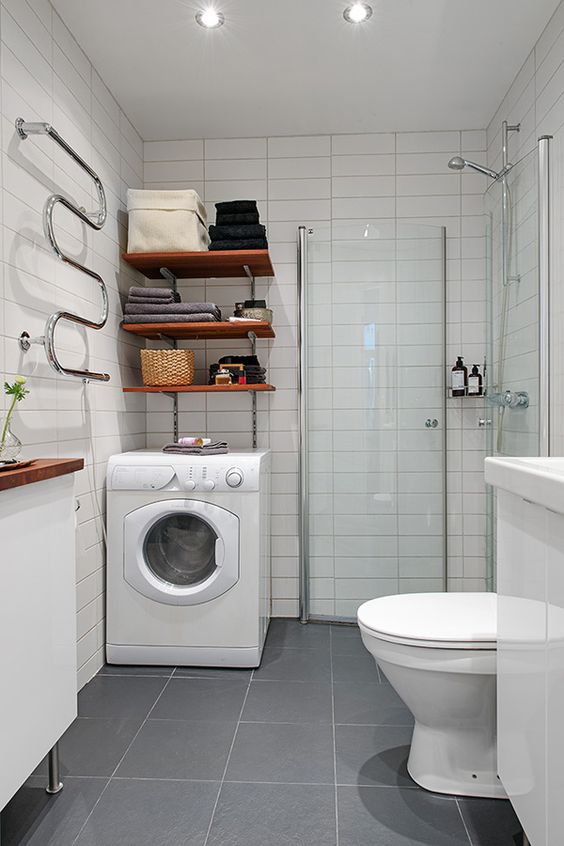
[454,762]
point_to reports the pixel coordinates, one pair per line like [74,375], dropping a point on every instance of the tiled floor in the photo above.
[308,749]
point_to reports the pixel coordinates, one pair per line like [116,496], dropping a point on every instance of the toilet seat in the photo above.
[433,620]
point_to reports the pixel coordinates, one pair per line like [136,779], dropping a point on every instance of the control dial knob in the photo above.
[208,485]
[190,485]
[234,477]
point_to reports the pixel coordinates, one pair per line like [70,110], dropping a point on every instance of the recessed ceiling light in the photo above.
[209,18]
[357,13]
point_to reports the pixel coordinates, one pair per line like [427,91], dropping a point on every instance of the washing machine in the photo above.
[188,565]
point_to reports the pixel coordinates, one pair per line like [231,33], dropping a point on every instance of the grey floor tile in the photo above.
[383,816]
[370,704]
[201,699]
[94,746]
[277,815]
[491,822]
[282,752]
[358,668]
[313,665]
[151,813]
[235,673]
[373,755]
[32,818]
[346,640]
[134,670]
[116,696]
[291,634]
[179,749]
[289,702]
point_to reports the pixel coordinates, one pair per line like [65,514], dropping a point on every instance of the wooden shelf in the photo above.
[220,264]
[200,331]
[39,471]
[197,389]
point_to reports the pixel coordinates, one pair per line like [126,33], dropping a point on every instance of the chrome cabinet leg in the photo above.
[55,784]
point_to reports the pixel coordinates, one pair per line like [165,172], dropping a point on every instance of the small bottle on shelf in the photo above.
[459,378]
[475,385]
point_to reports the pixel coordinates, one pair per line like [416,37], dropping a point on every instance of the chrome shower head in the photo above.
[458,163]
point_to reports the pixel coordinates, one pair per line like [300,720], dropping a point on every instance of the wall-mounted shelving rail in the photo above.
[95,220]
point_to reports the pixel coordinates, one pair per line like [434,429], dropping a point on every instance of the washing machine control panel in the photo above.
[230,474]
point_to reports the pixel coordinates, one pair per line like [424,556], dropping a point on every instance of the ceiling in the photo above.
[294,67]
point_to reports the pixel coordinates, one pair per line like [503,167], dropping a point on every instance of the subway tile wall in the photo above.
[536,101]
[325,183]
[45,76]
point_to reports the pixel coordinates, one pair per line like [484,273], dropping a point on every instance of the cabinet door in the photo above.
[521,566]
[555,679]
[37,625]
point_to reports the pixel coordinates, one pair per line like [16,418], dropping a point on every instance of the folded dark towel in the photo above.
[240,219]
[173,308]
[237,207]
[151,292]
[215,448]
[237,233]
[170,318]
[248,244]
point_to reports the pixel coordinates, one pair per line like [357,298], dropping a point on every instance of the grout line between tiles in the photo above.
[336,794]
[470,841]
[121,759]
[228,759]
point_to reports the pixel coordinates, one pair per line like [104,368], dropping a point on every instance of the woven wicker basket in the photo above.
[167,367]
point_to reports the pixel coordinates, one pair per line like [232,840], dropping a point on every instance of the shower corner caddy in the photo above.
[220,264]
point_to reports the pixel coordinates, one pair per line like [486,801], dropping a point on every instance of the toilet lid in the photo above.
[447,620]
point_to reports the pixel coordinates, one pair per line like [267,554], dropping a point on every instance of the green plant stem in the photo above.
[5,429]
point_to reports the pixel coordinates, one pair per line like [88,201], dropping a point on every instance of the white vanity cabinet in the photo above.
[530,663]
[37,615]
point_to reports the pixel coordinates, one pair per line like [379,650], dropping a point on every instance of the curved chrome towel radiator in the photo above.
[96,221]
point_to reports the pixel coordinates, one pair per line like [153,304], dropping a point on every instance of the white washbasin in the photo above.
[538,480]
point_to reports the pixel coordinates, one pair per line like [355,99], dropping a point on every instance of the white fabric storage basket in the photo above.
[166,222]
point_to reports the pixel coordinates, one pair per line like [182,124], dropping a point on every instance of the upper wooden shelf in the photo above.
[219,264]
[200,331]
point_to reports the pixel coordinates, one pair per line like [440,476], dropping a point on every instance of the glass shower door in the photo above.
[375,413]
[513,323]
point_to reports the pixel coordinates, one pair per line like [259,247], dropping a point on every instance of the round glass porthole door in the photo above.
[181,552]
[181,549]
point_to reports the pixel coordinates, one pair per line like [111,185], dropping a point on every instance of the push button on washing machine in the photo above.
[208,485]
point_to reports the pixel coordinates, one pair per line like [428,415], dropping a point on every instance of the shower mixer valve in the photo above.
[510,399]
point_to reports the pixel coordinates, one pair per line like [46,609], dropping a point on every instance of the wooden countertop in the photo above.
[41,469]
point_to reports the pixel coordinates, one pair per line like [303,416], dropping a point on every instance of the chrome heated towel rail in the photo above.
[96,221]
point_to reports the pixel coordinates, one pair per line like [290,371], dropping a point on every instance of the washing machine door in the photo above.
[181,551]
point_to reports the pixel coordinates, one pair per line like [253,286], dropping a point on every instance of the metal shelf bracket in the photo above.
[169,276]
[251,277]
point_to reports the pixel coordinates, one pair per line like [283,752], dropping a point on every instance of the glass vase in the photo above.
[11,446]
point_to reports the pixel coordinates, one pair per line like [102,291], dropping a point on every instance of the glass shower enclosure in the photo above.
[373,413]
[518,345]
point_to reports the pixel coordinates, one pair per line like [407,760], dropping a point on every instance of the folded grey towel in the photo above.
[217,448]
[173,308]
[175,298]
[170,318]
[150,292]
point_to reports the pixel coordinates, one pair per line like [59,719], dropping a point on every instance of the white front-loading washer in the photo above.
[188,571]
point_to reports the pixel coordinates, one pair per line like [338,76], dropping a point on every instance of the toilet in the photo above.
[438,651]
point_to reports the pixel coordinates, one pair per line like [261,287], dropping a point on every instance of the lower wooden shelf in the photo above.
[195,389]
